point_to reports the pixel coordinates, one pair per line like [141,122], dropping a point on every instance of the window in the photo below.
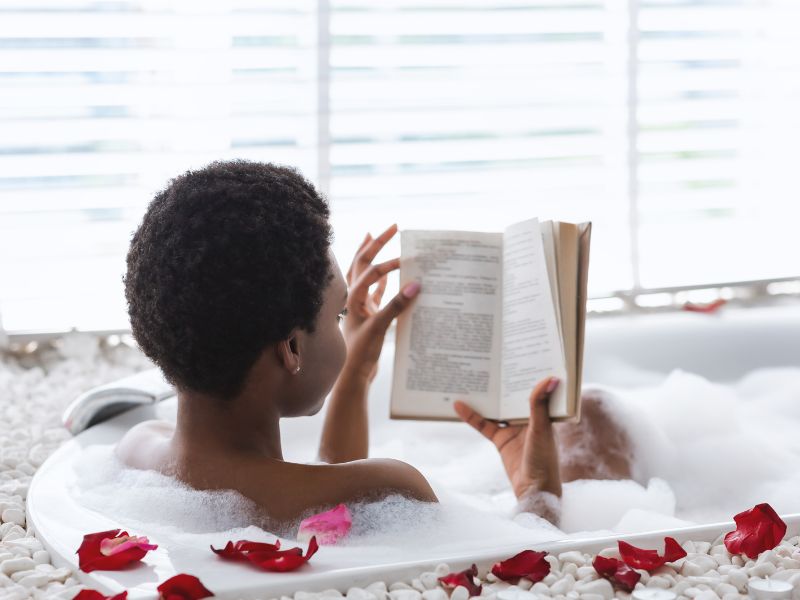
[668,123]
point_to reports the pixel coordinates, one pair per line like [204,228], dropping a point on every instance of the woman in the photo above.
[234,292]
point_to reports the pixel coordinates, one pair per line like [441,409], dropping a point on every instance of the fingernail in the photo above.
[554,381]
[411,290]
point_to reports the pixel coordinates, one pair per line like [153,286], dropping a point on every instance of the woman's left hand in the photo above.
[366,323]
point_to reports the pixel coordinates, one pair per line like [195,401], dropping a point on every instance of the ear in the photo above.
[288,353]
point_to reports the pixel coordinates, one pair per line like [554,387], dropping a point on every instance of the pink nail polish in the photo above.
[554,381]
[411,290]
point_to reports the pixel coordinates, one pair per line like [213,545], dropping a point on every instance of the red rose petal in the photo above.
[268,557]
[649,560]
[757,530]
[528,564]
[183,587]
[239,550]
[283,560]
[616,572]
[626,578]
[605,567]
[95,595]
[91,557]
[464,578]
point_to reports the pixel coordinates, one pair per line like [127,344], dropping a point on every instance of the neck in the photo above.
[247,424]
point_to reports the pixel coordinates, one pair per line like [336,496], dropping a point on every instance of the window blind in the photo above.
[669,123]
[102,102]
[718,87]
[472,114]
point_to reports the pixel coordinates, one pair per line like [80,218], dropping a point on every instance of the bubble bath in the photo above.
[703,451]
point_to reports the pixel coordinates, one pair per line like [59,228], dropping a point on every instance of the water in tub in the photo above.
[703,452]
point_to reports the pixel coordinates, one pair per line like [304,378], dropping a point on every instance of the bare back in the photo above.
[284,490]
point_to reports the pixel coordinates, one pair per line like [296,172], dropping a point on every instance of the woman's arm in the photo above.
[345,434]
[529,453]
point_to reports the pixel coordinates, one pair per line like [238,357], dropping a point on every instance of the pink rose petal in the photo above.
[328,527]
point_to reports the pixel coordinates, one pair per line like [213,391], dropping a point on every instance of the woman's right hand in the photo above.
[528,451]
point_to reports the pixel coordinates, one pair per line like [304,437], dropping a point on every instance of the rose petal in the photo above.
[239,550]
[709,308]
[111,546]
[95,595]
[91,558]
[464,578]
[183,587]
[616,572]
[528,564]
[283,560]
[650,560]
[328,527]
[757,530]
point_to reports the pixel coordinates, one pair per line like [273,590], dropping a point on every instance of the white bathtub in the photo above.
[620,351]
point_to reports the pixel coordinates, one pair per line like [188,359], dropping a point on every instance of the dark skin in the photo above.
[234,443]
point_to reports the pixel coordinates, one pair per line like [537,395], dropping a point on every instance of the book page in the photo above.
[531,342]
[448,343]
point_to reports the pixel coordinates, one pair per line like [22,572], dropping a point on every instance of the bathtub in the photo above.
[621,351]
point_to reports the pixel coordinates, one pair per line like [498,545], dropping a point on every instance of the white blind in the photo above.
[101,102]
[718,91]
[676,135]
[472,114]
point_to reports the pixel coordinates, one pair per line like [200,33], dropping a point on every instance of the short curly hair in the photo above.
[227,260]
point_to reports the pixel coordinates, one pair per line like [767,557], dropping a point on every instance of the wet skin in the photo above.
[234,443]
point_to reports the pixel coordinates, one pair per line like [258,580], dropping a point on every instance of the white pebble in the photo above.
[434,594]
[737,560]
[41,557]
[764,569]
[416,583]
[732,596]
[586,573]
[702,547]
[306,596]
[540,588]
[58,574]
[16,532]
[442,569]
[592,597]
[725,588]
[399,585]
[563,585]
[575,557]
[17,564]
[429,580]
[601,587]
[34,580]
[460,593]
[659,581]
[524,584]
[330,593]
[357,593]
[738,578]
[409,594]
[570,568]
[707,595]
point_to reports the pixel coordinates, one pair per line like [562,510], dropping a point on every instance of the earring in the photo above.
[297,368]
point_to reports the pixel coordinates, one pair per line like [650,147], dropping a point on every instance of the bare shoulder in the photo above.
[380,477]
[139,445]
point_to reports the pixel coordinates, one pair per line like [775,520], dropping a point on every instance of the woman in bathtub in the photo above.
[234,293]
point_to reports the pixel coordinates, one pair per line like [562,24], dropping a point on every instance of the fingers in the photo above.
[540,402]
[377,295]
[367,238]
[374,273]
[486,428]
[398,304]
[370,250]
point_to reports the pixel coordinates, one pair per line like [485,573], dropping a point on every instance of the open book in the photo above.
[497,312]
